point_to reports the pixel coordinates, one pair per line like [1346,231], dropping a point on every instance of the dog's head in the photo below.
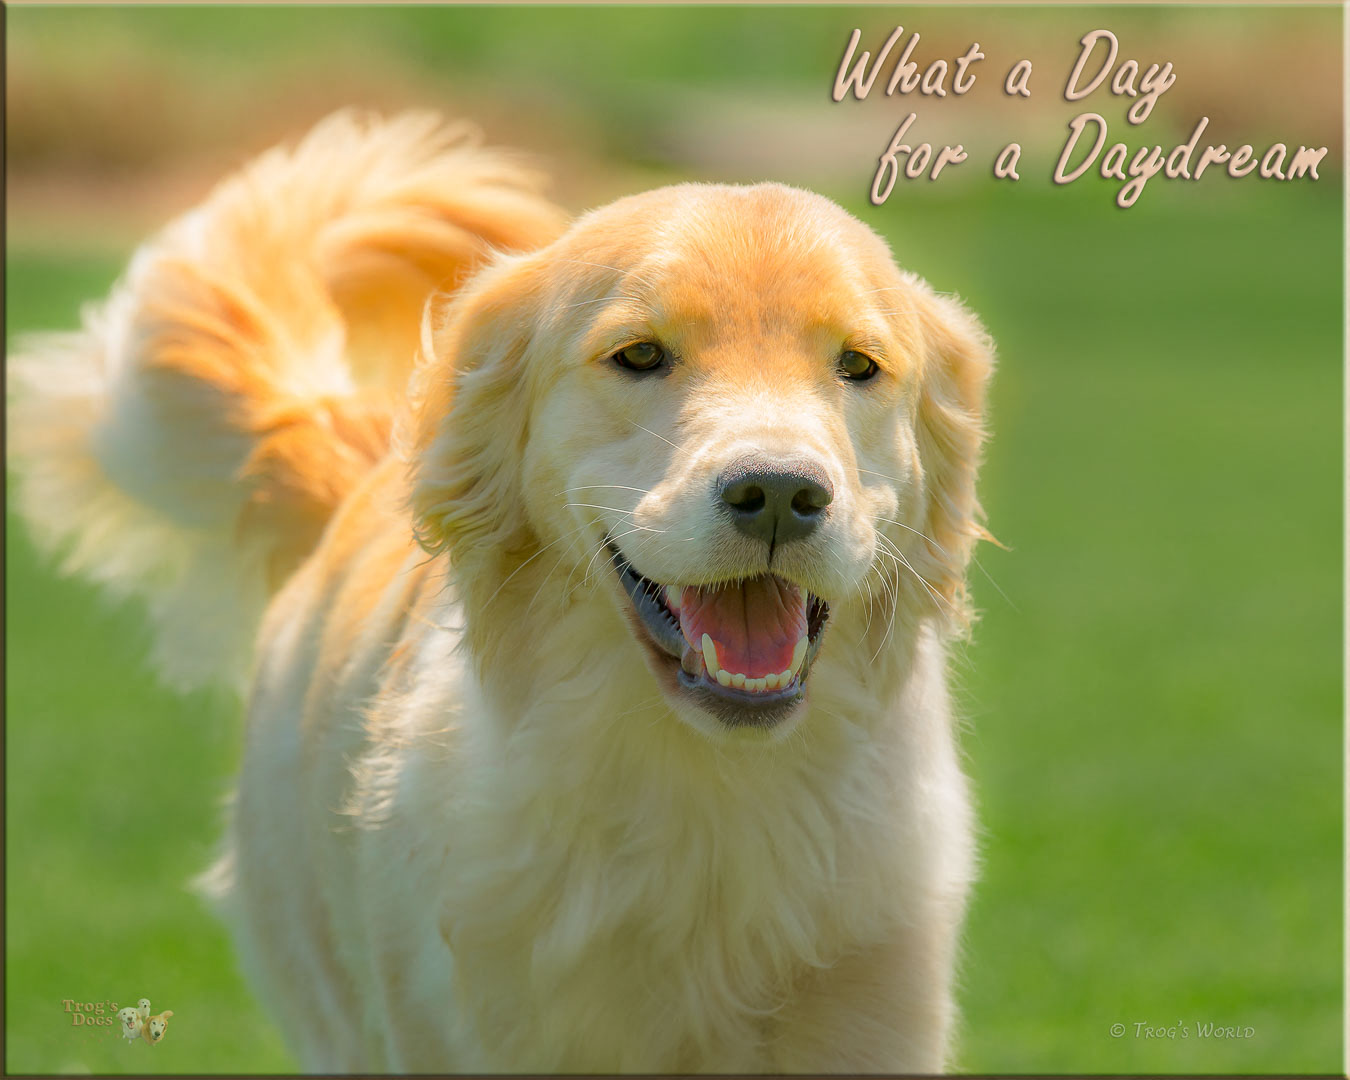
[729,408]
[156,1026]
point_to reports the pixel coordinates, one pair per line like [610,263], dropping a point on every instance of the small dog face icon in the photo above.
[156,1026]
[129,1020]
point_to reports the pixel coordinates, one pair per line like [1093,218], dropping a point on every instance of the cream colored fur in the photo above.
[474,830]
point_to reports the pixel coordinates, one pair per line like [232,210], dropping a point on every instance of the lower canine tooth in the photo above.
[724,677]
[710,655]
[784,678]
[798,655]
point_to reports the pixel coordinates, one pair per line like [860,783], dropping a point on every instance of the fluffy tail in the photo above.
[189,443]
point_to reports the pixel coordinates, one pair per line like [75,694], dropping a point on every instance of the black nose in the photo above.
[775,501]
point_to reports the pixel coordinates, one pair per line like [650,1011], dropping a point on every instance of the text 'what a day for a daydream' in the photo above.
[1087,142]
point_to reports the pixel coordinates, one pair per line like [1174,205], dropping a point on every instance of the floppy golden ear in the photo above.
[958,360]
[471,415]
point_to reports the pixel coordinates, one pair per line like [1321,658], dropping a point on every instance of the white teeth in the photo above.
[673,598]
[773,681]
[710,656]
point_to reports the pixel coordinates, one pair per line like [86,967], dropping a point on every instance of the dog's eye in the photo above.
[644,356]
[856,366]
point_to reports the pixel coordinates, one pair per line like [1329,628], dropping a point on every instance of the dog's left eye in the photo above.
[856,366]
[644,356]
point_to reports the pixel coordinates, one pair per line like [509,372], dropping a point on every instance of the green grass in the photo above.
[1153,711]
[1155,726]
[113,802]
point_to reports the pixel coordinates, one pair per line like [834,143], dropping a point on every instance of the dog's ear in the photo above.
[470,416]
[958,358]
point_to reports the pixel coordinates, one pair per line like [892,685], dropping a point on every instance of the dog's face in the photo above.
[129,1018]
[157,1025]
[730,408]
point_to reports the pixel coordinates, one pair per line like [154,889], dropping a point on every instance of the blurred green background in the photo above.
[1153,697]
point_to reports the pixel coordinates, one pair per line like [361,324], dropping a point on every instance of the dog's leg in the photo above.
[285,923]
[282,934]
[413,992]
[884,1009]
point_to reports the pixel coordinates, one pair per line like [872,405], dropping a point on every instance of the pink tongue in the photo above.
[755,624]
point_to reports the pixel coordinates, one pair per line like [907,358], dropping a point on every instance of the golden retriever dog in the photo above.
[588,586]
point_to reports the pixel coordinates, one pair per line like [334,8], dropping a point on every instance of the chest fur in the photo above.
[660,918]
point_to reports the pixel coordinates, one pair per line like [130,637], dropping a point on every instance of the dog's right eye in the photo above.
[644,356]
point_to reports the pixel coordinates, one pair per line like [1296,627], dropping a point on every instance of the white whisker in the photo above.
[916,532]
[603,266]
[546,579]
[591,487]
[649,431]
[995,584]
[893,598]
[641,706]
[884,476]
[601,300]
[527,562]
[616,510]
[927,585]
[603,546]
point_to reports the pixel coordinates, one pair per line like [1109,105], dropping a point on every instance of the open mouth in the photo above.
[743,648]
